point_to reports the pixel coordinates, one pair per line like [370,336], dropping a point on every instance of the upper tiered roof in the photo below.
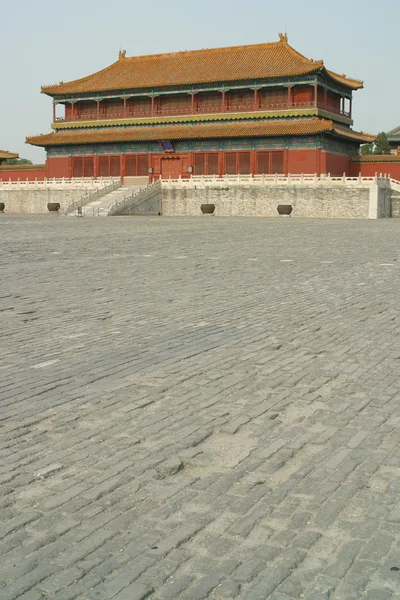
[237,63]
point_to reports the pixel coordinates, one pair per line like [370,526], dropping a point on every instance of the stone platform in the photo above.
[201,408]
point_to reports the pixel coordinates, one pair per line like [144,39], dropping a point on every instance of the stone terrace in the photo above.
[199,408]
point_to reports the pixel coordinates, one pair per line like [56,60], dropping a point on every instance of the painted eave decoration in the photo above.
[199,131]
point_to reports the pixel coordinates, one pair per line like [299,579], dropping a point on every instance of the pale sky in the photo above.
[47,41]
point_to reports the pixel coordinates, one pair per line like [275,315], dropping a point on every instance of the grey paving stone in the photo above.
[199,428]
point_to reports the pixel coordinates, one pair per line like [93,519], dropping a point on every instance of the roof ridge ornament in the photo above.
[122,54]
[283,37]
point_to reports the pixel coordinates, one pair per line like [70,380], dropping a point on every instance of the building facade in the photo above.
[254,109]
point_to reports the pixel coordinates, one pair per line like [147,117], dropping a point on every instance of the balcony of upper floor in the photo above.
[279,100]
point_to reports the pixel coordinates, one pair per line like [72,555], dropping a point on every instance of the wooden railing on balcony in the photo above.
[174,111]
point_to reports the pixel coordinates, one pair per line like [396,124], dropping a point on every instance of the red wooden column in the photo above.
[315,95]
[253,162]
[72,110]
[54,112]
[192,108]
[223,107]
[325,97]
[255,98]
[289,97]
[351,107]
[122,165]
[95,166]
[124,106]
[286,162]
[318,162]
[152,106]
[98,110]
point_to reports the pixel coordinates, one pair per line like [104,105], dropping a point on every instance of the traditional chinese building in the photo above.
[255,109]
[4,155]
[393,137]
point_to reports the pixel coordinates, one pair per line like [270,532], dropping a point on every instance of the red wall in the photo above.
[369,169]
[58,167]
[336,164]
[304,161]
[39,172]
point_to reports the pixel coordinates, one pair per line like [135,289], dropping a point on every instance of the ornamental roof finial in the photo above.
[122,54]
[283,37]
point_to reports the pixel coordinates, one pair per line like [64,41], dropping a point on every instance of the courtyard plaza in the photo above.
[199,408]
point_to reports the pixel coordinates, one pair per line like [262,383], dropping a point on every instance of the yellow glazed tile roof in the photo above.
[377,158]
[4,155]
[198,131]
[237,63]
[354,135]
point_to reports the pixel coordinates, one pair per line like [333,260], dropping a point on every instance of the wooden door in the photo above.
[171,167]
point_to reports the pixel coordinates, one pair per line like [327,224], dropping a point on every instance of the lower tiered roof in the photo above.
[199,131]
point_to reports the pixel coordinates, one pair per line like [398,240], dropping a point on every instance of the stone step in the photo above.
[101,206]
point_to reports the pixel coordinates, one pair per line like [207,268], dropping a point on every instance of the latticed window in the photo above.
[142,165]
[277,163]
[88,166]
[86,108]
[244,163]
[138,105]
[263,166]
[104,166]
[212,164]
[270,162]
[136,165]
[199,164]
[115,166]
[230,163]
[273,96]
[175,102]
[209,101]
[240,98]
[77,166]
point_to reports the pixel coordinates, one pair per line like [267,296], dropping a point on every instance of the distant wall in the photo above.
[370,167]
[22,172]
[307,201]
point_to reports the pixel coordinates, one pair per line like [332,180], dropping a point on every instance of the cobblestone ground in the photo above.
[199,408]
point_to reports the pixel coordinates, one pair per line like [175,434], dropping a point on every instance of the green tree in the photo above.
[381,145]
[17,161]
[367,149]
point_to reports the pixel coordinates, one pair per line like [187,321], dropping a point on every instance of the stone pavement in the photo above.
[199,408]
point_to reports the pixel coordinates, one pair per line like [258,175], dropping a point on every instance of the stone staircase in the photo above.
[100,206]
[146,201]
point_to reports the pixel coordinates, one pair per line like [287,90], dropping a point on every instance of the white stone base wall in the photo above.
[395,201]
[35,201]
[307,201]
